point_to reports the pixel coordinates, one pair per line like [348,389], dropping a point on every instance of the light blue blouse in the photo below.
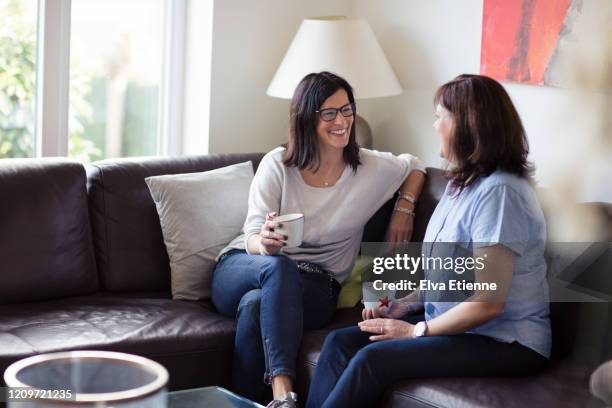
[499,209]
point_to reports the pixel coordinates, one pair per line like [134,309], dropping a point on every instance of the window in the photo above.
[116,50]
[17,77]
[101,79]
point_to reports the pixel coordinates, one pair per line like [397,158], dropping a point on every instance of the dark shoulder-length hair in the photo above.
[302,149]
[487,132]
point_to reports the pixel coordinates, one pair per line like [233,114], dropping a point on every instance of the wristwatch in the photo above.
[420,329]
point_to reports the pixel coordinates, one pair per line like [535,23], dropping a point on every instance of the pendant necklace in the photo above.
[328,183]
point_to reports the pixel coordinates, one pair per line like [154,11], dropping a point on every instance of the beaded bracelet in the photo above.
[408,196]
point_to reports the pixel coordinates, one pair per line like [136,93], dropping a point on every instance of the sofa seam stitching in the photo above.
[106,241]
[90,236]
[414,397]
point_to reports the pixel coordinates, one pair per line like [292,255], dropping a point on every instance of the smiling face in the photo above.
[444,128]
[335,134]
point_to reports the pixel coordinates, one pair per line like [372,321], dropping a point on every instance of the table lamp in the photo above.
[345,46]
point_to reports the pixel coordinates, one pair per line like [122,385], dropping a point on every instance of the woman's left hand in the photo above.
[400,227]
[387,329]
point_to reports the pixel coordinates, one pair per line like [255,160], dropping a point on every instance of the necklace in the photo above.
[320,179]
[327,178]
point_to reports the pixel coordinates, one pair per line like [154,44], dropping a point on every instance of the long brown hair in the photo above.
[487,131]
[303,145]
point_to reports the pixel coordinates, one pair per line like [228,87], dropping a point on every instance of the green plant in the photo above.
[17,73]
[80,113]
[17,92]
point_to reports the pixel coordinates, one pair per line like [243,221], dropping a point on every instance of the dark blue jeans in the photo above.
[273,303]
[353,371]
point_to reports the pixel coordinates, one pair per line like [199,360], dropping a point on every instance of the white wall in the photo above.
[249,41]
[427,43]
[430,42]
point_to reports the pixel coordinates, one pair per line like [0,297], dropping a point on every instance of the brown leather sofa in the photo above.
[83,266]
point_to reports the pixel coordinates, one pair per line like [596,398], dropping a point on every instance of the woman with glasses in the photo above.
[489,213]
[321,172]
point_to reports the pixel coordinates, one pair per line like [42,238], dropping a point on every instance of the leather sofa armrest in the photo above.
[601,382]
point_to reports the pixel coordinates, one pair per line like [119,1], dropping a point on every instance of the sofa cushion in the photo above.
[46,249]
[312,342]
[189,338]
[558,386]
[200,213]
[128,241]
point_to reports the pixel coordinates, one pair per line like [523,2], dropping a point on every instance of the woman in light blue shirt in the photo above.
[489,212]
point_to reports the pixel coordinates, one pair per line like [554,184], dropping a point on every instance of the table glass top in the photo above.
[216,397]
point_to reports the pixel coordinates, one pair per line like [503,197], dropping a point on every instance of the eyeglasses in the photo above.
[330,114]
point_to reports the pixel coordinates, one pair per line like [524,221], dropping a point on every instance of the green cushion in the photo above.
[350,294]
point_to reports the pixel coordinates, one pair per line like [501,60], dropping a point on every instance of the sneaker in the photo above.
[288,401]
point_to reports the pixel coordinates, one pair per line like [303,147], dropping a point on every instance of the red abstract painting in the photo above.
[519,38]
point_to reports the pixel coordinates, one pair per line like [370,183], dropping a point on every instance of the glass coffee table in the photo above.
[214,397]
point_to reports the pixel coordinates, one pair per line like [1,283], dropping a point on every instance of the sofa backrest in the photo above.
[128,241]
[45,235]
[435,183]
[575,325]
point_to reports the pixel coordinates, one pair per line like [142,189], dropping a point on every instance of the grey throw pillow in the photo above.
[200,213]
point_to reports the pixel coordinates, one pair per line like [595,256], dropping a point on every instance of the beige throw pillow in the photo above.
[200,213]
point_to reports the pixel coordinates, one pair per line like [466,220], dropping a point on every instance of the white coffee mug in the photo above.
[292,225]
[373,298]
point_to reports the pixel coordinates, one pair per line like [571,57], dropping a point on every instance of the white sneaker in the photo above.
[288,401]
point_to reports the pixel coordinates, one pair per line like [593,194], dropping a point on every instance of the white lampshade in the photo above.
[344,46]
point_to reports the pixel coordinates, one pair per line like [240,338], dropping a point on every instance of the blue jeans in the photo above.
[273,303]
[353,371]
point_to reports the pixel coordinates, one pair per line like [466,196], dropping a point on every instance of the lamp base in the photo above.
[363,133]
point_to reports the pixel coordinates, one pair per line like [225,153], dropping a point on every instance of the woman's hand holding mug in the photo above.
[270,242]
